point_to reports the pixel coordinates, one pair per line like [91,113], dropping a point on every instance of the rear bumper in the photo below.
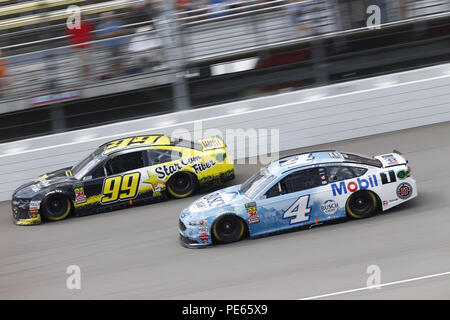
[398,193]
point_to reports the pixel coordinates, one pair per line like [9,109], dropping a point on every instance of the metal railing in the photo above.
[186,43]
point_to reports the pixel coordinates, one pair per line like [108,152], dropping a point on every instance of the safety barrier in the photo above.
[302,118]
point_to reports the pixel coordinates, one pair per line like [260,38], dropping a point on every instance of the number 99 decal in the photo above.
[120,187]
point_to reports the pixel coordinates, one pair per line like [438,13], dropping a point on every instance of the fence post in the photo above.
[319,62]
[176,58]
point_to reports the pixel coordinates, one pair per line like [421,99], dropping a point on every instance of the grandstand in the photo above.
[200,55]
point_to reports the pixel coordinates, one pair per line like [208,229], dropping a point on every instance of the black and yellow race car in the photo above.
[123,173]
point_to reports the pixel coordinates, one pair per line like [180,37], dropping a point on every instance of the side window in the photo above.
[125,162]
[274,191]
[99,172]
[359,171]
[335,174]
[161,156]
[302,180]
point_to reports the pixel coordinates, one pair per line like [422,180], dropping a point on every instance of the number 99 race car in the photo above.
[299,190]
[122,173]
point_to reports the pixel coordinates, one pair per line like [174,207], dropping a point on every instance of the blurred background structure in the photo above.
[128,59]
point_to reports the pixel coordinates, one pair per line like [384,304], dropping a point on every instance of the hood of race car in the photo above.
[215,203]
[28,190]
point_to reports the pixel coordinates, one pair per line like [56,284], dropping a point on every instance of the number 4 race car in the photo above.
[300,190]
[122,173]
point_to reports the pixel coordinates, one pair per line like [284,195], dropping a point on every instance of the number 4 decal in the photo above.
[299,210]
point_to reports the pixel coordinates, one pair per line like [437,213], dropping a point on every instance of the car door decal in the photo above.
[120,188]
[299,210]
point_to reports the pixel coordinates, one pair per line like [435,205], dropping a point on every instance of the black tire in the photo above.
[361,204]
[228,228]
[56,207]
[181,185]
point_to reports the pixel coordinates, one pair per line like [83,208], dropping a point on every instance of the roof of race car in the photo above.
[147,140]
[320,157]
[305,159]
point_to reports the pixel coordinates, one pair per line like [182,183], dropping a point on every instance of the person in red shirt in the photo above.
[80,36]
[3,76]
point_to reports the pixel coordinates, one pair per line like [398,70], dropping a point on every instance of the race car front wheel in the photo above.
[361,204]
[228,229]
[56,207]
[181,185]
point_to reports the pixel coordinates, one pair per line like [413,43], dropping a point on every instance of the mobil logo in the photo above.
[344,187]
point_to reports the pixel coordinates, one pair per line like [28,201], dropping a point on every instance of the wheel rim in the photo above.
[57,208]
[228,229]
[361,205]
[181,185]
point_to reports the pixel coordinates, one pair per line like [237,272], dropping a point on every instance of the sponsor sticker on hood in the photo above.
[213,200]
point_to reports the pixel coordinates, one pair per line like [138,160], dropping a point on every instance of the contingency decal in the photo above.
[34,208]
[80,196]
[252,213]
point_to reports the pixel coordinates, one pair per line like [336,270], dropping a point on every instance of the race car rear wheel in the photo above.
[228,228]
[181,185]
[361,204]
[56,207]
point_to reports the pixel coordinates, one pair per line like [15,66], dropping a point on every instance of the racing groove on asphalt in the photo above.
[134,253]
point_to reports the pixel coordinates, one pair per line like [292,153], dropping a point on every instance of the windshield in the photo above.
[82,168]
[256,183]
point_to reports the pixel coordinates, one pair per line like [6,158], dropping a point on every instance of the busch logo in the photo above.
[352,186]
[329,207]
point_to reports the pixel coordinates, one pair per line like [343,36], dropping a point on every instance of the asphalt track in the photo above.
[134,253]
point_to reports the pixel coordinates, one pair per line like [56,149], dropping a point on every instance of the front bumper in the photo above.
[21,213]
[194,236]
[191,243]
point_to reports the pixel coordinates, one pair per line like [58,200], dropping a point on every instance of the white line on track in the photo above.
[377,286]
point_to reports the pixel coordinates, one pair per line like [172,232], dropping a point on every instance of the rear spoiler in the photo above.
[212,143]
[392,159]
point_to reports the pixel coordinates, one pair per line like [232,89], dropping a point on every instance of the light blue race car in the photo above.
[299,190]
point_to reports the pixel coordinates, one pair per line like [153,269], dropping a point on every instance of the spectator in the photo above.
[403,9]
[111,28]
[145,49]
[183,7]
[217,8]
[299,11]
[3,75]
[358,15]
[80,36]
[142,11]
